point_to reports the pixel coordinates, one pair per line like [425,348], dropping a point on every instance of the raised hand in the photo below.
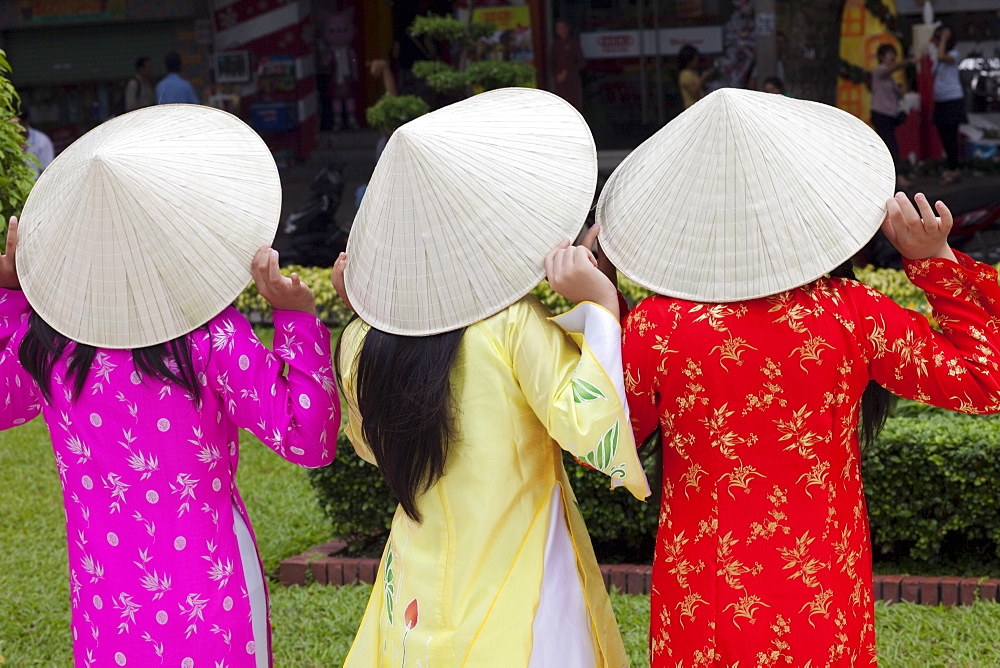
[572,272]
[918,235]
[282,293]
[8,264]
[606,266]
[337,278]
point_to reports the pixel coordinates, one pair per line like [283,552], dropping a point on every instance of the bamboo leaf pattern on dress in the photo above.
[603,455]
[390,587]
[584,391]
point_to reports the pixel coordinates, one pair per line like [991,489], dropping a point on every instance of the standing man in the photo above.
[565,61]
[140,91]
[173,88]
[38,143]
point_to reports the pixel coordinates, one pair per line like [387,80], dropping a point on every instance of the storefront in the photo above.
[630,78]
[72,59]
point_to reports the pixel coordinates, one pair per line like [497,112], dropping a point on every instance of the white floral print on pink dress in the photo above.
[154,520]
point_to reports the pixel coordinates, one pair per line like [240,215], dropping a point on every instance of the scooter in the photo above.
[315,239]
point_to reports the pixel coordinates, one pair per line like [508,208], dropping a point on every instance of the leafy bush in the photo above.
[393,111]
[359,506]
[355,499]
[423,69]
[931,478]
[473,73]
[493,74]
[445,29]
[16,176]
[926,479]
[891,282]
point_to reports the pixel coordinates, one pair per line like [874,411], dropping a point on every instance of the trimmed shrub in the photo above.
[394,111]
[17,177]
[928,478]
[359,506]
[891,282]
[934,477]
[931,477]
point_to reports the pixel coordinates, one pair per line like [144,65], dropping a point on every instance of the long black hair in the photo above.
[42,346]
[876,402]
[876,407]
[408,416]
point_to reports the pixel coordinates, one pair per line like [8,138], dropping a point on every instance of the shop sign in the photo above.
[626,43]
[512,39]
[70,10]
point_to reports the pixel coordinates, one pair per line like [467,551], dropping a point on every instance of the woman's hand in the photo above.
[573,273]
[8,264]
[337,278]
[284,294]
[918,236]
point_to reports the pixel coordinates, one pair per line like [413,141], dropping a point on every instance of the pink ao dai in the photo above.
[154,521]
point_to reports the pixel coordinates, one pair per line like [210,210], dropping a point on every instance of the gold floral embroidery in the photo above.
[740,478]
[693,478]
[811,351]
[716,313]
[798,558]
[732,349]
[688,605]
[786,456]
[746,608]
[797,430]
[817,477]
[820,605]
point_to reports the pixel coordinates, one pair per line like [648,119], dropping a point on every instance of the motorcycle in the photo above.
[314,238]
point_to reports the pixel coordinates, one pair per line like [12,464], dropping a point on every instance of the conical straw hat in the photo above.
[745,195]
[145,228]
[463,206]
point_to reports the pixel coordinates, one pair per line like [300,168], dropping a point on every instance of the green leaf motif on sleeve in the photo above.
[390,587]
[603,455]
[584,391]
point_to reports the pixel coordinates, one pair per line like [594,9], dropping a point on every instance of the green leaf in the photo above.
[602,456]
[584,391]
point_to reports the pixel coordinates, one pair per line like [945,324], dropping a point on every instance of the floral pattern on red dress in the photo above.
[763,555]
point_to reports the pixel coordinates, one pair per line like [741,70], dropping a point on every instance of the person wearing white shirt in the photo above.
[140,91]
[38,143]
[949,98]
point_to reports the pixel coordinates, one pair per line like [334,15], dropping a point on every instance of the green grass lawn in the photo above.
[313,626]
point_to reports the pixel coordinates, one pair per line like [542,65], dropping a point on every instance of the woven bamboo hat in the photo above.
[145,228]
[745,195]
[463,206]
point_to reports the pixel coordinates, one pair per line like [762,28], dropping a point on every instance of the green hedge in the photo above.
[890,282]
[934,477]
[359,505]
[928,477]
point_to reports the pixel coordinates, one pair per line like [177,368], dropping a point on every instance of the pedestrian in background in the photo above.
[140,91]
[885,114]
[773,85]
[690,81]
[949,98]
[173,88]
[38,143]
[565,62]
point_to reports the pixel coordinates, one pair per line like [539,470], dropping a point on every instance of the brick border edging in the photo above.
[322,565]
